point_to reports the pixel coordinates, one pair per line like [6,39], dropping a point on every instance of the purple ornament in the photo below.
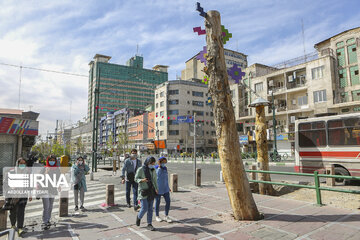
[199,30]
[202,55]
[235,73]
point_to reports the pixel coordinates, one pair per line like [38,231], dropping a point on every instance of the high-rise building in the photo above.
[122,86]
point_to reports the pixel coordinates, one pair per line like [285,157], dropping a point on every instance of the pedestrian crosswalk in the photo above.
[95,195]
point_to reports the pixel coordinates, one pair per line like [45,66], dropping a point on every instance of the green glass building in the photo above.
[122,86]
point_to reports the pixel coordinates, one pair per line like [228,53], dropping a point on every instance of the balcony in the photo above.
[244,113]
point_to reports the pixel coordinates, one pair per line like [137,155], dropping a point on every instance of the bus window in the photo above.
[344,132]
[312,134]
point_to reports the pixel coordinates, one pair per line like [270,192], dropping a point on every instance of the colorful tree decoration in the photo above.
[209,101]
[235,73]
[200,10]
[226,35]
[202,55]
[205,80]
[199,30]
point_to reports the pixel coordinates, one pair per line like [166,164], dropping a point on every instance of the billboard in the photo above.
[16,126]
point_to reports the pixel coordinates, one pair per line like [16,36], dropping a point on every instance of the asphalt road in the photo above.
[211,172]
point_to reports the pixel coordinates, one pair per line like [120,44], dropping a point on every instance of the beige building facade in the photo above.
[182,99]
[194,68]
[324,83]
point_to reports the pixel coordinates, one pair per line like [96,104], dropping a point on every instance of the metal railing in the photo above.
[316,187]
[10,232]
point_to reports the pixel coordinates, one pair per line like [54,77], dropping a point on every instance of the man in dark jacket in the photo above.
[131,164]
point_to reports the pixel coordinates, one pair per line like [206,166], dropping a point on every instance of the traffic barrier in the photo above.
[64,204]
[174,182]
[110,201]
[198,177]
[317,186]
[330,170]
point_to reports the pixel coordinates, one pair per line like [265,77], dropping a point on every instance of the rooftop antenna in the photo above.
[20,86]
[137,49]
[303,37]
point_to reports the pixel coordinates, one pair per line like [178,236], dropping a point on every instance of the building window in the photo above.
[161,94]
[188,102]
[320,96]
[312,134]
[188,92]
[161,123]
[161,113]
[157,95]
[173,112]
[258,87]
[197,94]
[198,113]
[174,92]
[161,133]
[161,103]
[213,133]
[211,114]
[173,102]
[157,105]
[317,73]
[188,112]
[174,132]
[302,100]
[207,114]
[198,103]
[173,122]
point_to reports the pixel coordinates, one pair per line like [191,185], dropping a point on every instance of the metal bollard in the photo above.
[110,195]
[3,216]
[330,170]
[198,177]
[91,176]
[221,177]
[174,182]
[64,204]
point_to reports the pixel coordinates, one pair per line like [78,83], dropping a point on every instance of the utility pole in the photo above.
[194,148]
[95,123]
[275,153]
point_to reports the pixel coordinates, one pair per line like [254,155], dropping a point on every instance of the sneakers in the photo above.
[137,220]
[128,205]
[136,207]
[76,208]
[82,208]
[45,226]
[158,219]
[150,227]
[21,232]
[167,219]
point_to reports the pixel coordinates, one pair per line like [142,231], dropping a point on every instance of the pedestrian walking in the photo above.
[164,189]
[51,168]
[130,167]
[78,179]
[146,178]
[17,205]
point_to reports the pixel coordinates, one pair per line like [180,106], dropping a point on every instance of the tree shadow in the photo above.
[312,218]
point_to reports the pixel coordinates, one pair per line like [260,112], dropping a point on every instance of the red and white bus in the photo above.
[322,141]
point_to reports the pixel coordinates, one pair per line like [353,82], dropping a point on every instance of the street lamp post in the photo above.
[194,149]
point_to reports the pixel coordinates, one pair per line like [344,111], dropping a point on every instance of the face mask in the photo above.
[22,166]
[52,163]
[133,156]
[163,164]
[151,166]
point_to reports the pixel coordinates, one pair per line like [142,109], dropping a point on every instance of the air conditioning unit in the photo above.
[271,83]
[293,101]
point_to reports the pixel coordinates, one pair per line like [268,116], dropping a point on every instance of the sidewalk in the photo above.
[205,213]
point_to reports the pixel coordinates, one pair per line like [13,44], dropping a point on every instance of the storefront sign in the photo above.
[16,126]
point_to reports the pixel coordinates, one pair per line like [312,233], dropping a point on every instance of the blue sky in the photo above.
[65,35]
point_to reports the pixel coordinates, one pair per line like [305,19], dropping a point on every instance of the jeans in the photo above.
[167,203]
[48,206]
[76,196]
[17,214]
[135,192]
[146,206]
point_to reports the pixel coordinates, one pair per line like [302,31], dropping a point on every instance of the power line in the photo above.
[44,70]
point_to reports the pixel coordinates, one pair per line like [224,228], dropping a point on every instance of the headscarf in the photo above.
[48,159]
[80,173]
[148,175]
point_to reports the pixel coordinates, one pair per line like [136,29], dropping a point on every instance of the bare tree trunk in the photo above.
[262,151]
[235,178]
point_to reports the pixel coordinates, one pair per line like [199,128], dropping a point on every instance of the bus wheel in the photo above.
[343,172]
